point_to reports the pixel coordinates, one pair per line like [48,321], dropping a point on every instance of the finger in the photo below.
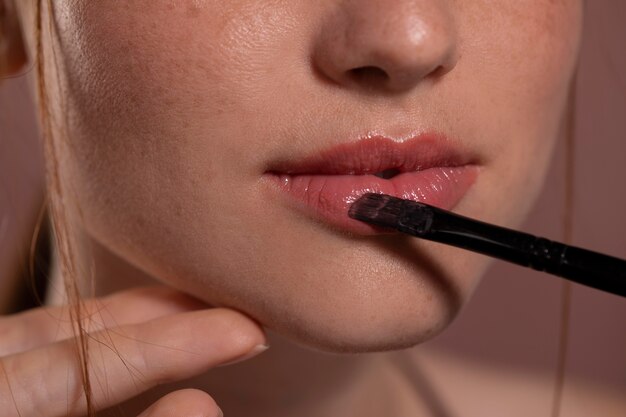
[184,403]
[124,361]
[42,326]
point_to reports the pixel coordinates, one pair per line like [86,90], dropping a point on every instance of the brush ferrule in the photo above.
[546,255]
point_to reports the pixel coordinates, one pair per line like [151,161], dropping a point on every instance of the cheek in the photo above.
[159,88]
[161,94]
[514,78]
[160,108]
[525,59]
[144,63]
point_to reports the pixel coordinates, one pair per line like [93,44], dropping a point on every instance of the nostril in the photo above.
[368,74]
[438,72]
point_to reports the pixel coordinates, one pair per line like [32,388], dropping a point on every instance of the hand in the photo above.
[137,339]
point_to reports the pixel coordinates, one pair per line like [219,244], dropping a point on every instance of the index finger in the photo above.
[41,326]
[125,361]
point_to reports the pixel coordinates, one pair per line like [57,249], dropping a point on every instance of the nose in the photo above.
[388,45]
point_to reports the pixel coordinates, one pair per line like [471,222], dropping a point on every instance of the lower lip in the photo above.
[328,197]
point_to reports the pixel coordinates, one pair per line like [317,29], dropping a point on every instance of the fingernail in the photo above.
[253,352]
[220,413]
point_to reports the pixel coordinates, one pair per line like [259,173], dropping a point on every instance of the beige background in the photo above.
[513,319]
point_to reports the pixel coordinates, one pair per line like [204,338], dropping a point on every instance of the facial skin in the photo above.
[174,110]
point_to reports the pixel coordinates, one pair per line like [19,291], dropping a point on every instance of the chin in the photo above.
[367,331]
[396,315]
[382,307]
[371,296]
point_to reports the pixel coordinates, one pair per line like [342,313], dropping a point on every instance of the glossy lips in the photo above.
[425,168]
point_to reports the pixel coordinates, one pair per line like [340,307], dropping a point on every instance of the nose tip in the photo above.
[391,46]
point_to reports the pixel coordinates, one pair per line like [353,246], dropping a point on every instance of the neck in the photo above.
[286,380]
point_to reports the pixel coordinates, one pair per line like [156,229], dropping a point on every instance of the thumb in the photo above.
[184,403]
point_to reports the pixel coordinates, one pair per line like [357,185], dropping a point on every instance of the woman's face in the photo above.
[209,142]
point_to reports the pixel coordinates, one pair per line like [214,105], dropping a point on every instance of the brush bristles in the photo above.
[379,209]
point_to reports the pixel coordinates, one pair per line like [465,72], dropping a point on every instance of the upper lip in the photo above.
[379,154]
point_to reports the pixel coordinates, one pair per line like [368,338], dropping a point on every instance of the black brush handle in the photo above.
[583,266]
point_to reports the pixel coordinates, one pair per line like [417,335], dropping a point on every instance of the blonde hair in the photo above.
[60,225]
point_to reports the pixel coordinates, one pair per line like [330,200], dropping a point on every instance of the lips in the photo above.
[428,168]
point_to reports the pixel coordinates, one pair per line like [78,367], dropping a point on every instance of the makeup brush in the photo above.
[583,266]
